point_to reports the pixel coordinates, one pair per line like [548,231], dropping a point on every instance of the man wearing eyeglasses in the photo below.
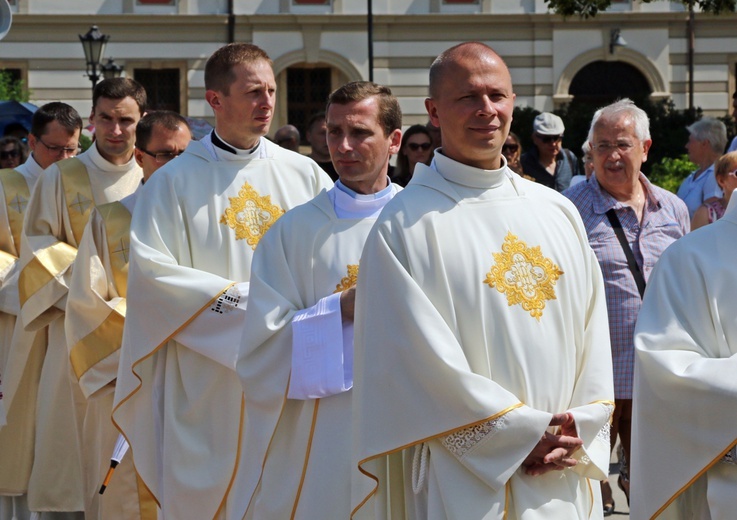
[55,129]
[95,314]
[548,163]
[57,213]
[629,223]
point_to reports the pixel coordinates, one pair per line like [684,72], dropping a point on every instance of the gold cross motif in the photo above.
[124,248]
[19,204]
[526,276]
[82,203]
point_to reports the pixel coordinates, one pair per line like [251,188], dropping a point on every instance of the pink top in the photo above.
[715,209]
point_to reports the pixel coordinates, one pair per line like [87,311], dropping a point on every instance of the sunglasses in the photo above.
[547,139]
[510,148]
[9,153]
[416,146]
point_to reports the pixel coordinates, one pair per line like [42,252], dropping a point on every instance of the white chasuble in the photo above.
[19,389]
[54,223]
[684,428]
[178,399]
[480,312]
[305,473]
[95,314]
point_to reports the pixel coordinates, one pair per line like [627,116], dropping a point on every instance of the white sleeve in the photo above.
[221,323]
[322,351]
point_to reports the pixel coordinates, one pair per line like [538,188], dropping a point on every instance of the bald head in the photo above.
[458,56]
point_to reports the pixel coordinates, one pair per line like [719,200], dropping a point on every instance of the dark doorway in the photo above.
[602,82]
[307,92]
[162,88]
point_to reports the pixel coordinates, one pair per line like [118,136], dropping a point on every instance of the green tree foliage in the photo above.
[590,8]
[11,90]
[669,173]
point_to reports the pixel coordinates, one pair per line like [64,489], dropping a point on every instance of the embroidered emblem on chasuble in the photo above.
[250,215]
[349,280]
[524,275]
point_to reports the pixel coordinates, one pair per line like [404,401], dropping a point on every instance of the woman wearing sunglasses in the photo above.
[512,151]
[13,152]
[416,148]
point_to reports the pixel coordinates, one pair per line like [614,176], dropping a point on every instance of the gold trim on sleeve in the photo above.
[6,260]
[524,275]
[43,268]
[100,343]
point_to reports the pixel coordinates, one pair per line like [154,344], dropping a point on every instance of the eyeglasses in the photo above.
[9,154]
[162,157]
[416,146]
[58,150]
[510,148]
[547,139]
[623,147]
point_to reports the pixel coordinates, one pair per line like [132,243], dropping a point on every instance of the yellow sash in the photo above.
[78,194]
[117,221]
[16,199]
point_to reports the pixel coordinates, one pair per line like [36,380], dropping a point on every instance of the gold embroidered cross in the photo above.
[526,276]
[82,203]
[123,249]
[250,215]
[349,280]
[19,204]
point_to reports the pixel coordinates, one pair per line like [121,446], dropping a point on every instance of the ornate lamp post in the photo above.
[111,69]
[93,44]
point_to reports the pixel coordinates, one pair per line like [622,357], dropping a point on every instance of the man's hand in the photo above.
[347,304]
[553,452]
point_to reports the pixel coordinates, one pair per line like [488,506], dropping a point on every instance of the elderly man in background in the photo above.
[706,142]
[316,136]
[55,130]
[288,137]
[629,222]
[482,354]
[547,162]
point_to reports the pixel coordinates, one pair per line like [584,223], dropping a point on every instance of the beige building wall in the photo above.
[544,51]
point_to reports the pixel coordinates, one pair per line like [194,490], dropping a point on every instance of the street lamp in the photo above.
[93,44]
[111,69]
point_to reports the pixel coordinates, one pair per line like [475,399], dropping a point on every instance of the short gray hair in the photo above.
[627,108]
[711,130]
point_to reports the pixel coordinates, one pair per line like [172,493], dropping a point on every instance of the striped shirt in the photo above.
[665,219]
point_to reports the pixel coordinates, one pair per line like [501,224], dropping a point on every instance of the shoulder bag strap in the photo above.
[631,262]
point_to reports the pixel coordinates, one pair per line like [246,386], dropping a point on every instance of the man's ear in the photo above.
[646,148]
[396,141]
[213,99]
[432,111]
[138,154]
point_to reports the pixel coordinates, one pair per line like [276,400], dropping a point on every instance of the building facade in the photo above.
[317,45]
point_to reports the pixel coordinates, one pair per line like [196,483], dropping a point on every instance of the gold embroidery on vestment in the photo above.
[524,275]
[250,215]
[349,280]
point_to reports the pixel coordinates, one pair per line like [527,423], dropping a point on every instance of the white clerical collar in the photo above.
[350,204]
[32,169]
[104,165]
[466,175]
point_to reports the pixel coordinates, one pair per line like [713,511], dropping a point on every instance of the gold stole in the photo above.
[108,336]
[78,194]
[17,193]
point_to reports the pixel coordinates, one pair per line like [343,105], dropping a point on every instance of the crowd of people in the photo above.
[253,333]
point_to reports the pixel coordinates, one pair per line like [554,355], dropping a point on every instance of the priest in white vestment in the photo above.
[481,340]
[55,219]
[684,425]
[298,335]
[178,398]
[95,315]
[54,135]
